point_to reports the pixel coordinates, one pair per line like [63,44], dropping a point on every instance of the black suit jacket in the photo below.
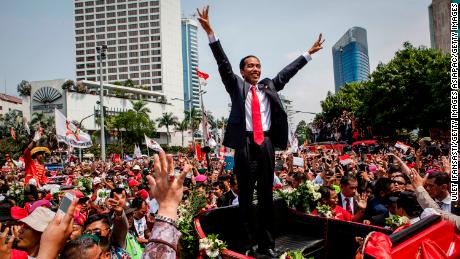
[238,89]
[355,203]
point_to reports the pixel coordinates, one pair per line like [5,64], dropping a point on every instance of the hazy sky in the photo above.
[36,40]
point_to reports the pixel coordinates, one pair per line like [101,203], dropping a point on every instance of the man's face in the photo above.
[98,228]
[217,191]
[432,188]
[40,157]
[349,190]
[251,70]
[28,237]
[139,213]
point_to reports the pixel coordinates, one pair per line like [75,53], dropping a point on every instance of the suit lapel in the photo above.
[246,89]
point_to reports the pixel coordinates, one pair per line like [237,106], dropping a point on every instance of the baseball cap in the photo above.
[143,194]
[200,178]
[97,180]
[39,219]
[136,167]
[133,183]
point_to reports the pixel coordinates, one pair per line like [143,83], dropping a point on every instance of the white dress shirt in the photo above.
[265,111]
[344,203]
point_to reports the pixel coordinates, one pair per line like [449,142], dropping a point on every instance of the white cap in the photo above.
[136,167]
[97,180]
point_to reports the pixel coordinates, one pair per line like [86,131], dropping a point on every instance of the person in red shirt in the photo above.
[329,197]
[34,159]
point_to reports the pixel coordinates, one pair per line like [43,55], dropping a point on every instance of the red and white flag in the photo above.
[68,133]
[152,144]
[345,159]
[203,77]
[198,153]
[13,133]
[402,146]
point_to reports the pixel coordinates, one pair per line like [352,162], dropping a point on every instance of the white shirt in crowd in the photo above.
[445,205]
[141,226]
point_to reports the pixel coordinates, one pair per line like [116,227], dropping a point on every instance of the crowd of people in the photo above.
[128,209]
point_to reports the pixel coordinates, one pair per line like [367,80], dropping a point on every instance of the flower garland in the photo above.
[302,197]
[17,192]
[292,255]
[212,245]
[325,211]
[85,185]
[396,221]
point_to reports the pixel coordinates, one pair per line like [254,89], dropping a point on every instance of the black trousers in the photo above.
[255,164]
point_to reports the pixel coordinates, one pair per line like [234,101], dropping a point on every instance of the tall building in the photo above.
[351,59]
[190,63]
[143,39]
[439,16]
[287,104]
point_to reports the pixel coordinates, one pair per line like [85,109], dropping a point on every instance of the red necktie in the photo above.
[256,118]
[348,206]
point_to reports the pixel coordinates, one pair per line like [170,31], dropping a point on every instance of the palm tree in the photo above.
[140,107]
[167,120]
[48,125]
[221,123]
[195,116]
[182,126]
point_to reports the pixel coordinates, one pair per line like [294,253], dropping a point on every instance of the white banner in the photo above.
[70,134]
[152,144]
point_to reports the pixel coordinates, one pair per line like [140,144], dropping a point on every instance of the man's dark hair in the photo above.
[77,249]
[105,218]
[407,201]
[243,60]
[219,185]
[325,191]
[382,185]
[137,203]
[117,190]
[440,178]
[347,179]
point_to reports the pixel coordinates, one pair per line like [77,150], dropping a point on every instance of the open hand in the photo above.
[57,233]
[167,192]
[204,20]
[5,245]
[317,45]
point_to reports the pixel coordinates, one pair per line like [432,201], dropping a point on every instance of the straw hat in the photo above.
[40,149]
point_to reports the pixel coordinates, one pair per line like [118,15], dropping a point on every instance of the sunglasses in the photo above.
[95,231]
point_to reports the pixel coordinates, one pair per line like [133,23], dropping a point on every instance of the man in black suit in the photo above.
[256,125]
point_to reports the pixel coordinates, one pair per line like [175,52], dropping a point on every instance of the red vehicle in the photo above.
[327,238]
[327,146]
[365,142]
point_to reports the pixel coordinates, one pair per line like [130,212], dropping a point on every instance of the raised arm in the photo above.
[225,68]
[290,70]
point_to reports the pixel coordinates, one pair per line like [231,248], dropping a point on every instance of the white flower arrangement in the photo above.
[396,221]
[325,211]
[212,245]
[301,197]
[17,191]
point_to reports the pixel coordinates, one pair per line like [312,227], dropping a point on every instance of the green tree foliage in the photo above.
[302,132]
[24,88]
[166,120]
[137,122]
[182,127]
[410,92]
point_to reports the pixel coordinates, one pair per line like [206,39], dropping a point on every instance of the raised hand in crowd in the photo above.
[167,192]
[57,233]
[6,244]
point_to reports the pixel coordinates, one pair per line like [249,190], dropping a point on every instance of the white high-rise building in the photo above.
[143,39]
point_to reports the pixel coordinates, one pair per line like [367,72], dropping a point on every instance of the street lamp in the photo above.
[101,50]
